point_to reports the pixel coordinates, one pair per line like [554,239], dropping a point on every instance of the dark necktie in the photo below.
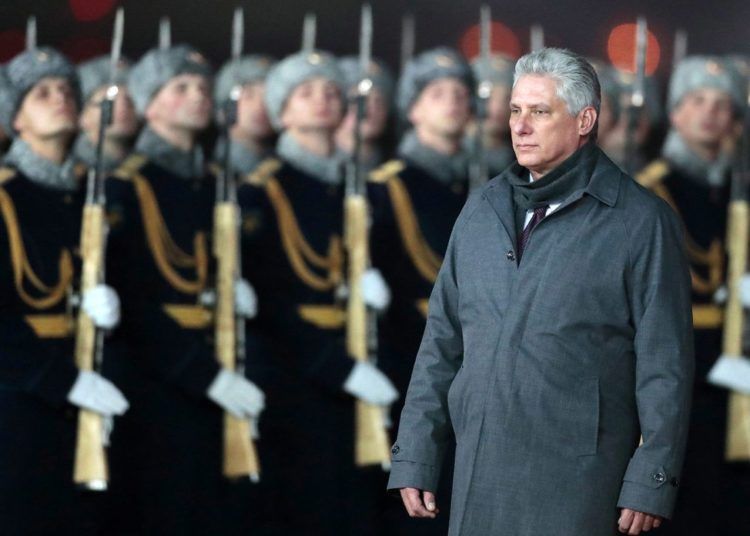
[538,216]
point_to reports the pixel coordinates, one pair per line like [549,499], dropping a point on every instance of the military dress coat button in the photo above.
[510,255]
[395,449]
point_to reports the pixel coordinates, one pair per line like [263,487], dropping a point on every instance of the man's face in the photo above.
[313,105]
[443,108]
[704,117]
[375,120]
[124,120]
[182,103]
[48,110]
[498,111]
[543,131]
[252,120]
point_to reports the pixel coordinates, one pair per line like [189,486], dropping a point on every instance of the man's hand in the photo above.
[632,522]
[419,503]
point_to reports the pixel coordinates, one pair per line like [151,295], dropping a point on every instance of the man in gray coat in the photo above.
[559,333]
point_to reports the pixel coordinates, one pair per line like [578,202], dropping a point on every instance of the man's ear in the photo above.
[587,120]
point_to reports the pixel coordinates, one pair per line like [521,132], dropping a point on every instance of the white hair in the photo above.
[577,83]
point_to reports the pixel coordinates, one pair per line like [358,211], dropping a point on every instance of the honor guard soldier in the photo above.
[41,202]
[610,111]
[252,135]
[167,456]
[415,201]
[377,112]
[705,101]
[95,79]
[498,70]
[293,254]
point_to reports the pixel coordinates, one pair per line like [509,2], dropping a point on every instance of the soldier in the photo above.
[292,244]
[415,201]
[252,134]
[167,456]
[610,111]
[378,108]
[4,136]
[95,79]
[41,201]
[705,100]
[498,70]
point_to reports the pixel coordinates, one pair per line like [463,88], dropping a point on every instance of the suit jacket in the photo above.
[549,370]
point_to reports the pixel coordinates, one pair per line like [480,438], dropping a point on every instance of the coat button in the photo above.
[659,477]
[510,255]
[395,449]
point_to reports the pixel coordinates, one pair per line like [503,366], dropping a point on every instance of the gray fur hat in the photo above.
[245,70]
[697,72]
[431,65]
[94,74]
[378,72]
[157,67]
[497,69]
[24,71]
[293,71]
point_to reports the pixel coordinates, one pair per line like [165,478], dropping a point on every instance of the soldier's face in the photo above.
[704,117]
[252,120]
[183,103]
[498,111]
[313,105]
[124,119]
[48,110]
[375,120]
[543,131]
[443,108]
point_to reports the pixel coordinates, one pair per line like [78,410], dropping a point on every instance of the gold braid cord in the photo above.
[298,250]
[166,253]
[22,269]
[713,257]
[426,261]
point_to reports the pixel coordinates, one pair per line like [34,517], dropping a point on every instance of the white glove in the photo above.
[732,372]
[245,299]
[236,394]
[102,304]
[367,383]
[745,290]
[375,291]
[94,392]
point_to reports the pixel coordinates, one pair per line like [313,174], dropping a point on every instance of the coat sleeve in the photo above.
[659,284]
[425,425]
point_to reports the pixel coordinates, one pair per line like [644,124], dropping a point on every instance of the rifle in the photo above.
[240,456]
[738,422]
[637,97]
[371,438]
[90,465]
[536,40]
[478,173]
[309,31]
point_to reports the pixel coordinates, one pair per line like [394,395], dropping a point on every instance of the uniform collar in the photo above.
[328,169]
[184,164]
[244,160]
[40,170]
[709,173]
[445,168]
[85,151]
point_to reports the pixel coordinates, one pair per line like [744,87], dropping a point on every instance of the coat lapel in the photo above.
[498,194]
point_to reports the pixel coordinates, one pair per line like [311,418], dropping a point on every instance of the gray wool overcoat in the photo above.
[549,370]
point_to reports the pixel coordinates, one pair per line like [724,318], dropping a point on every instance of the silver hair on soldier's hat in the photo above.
[378,72]
[95,73]
[497,69]
[158,66]
[24,71]
[245,70]
[295,70]
[697,72]
[441,62]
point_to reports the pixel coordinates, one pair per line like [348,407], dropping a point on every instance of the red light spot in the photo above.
[83,48]
[12,42]
[503,40]
[90,10]
[621,49]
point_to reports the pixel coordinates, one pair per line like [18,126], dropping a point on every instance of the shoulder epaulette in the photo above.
[263,172]
[6,174]
[130,166]
[386,171]
[653,173]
